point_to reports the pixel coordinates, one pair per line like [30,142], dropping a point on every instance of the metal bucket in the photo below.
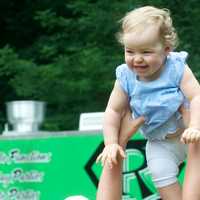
[25,116]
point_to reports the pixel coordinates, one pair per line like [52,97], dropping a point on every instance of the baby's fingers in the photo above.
[99,157]
[190,135]
[186,136]
[103,159]
[183,140]
[110,162]
[195,137]
[113,157]
[122,153]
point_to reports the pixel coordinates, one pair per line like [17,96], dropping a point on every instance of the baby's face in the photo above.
[145,53]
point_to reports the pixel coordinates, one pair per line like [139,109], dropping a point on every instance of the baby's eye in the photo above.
[147,52]
[129,51]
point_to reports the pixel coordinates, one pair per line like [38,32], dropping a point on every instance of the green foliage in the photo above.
[65,52]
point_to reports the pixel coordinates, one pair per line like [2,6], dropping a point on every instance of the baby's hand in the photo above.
[110,154]
[190,135]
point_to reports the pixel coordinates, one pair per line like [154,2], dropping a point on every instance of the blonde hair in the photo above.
[146,15]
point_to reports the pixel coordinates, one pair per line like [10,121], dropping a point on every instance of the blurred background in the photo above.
[64,52]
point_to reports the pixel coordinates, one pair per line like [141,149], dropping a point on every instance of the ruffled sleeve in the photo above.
[179,61]
[121,75]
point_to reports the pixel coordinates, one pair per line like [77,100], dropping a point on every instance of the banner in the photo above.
[56,166]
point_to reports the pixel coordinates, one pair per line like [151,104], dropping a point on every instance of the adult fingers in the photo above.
[136,123]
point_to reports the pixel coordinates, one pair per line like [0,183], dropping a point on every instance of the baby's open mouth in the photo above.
[140,66]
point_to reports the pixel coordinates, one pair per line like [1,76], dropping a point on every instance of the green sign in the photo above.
[57,166]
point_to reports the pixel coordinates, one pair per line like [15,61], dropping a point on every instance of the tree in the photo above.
[66,53]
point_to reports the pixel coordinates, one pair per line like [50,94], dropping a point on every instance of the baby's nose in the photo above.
[138,58]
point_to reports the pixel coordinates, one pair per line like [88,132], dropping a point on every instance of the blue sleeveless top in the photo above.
[158,100]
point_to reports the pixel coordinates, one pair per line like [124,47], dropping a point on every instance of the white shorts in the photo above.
[163,160]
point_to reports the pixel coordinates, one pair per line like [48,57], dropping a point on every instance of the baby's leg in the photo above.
[163,158]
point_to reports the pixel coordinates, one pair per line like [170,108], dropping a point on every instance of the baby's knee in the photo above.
[164,172]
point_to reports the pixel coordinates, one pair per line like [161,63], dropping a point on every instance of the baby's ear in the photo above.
[168,49]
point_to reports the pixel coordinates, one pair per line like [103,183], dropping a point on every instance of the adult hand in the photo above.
[128,127]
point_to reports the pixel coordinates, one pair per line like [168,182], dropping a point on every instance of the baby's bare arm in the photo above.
[114,112]
[191,89]
[118,127]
